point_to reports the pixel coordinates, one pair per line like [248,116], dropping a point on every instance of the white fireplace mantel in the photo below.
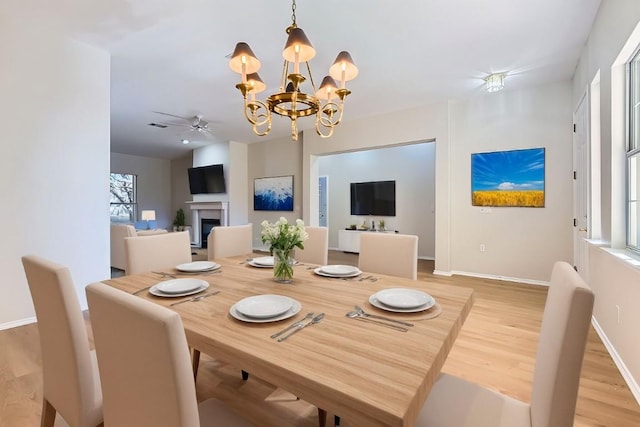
[207,210]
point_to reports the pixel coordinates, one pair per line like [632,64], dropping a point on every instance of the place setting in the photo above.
[338,271]
[199,267]
[264,308]
[406,301]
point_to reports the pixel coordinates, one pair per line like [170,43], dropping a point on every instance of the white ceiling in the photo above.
[170,55]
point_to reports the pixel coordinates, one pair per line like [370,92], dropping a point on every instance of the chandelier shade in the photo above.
[293,98]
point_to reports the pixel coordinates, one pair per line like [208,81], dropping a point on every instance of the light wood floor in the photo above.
[496,348]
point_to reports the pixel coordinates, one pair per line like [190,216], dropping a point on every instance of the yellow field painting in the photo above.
[531,198]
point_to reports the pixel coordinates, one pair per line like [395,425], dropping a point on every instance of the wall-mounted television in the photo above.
[373,198]
[207,180]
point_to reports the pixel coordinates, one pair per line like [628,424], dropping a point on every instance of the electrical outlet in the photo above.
[481,247]
[618,313]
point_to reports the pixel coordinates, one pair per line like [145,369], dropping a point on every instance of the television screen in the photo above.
[207,180]
[373,198]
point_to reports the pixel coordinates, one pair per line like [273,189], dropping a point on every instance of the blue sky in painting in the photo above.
[508,170]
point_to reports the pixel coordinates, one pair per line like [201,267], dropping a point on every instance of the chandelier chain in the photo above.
[293,13]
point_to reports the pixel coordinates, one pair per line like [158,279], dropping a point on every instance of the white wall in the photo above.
[615,282]
[520,243]
[153,184]
[54,160]
[412,167]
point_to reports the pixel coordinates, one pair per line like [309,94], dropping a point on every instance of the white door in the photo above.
[581,186]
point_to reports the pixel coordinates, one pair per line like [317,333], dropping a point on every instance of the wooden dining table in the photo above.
[366,373]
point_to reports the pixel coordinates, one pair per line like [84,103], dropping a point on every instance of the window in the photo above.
[122,189]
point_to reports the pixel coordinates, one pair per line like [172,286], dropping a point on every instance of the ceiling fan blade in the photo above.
[187,125]
[173,115]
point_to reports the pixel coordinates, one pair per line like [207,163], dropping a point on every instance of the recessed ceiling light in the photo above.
[185,141]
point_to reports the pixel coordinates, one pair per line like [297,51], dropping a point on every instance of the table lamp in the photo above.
[148,216]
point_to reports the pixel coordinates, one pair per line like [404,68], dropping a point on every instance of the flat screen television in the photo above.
[207,180]
[373,198]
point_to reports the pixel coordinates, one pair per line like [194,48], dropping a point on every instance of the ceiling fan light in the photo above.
[185,141]
[494,82]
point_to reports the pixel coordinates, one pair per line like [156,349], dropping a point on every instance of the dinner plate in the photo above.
[319,272]
[376,303]
[197,266]
[295,309]
[263,261]
[157,292]
[339,270]
[264,306]
[404,298]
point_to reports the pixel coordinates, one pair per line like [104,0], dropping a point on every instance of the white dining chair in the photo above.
[229,241]
[145,367]
[71,385]
[454,402]
[147,253]
[316,247]
[389,253]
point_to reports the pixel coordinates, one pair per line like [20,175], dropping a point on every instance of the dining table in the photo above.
[365,372]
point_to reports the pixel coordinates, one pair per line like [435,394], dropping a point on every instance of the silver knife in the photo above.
[313,321]
[293,325]
[196,298]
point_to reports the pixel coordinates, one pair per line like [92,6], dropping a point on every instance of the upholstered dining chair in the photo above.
[316,247]
[69,369]
[389,253]
[145,367]
[230,241]
[454,402]
[225,242]
[146,253]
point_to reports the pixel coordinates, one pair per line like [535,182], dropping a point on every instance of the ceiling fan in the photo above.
[194,123]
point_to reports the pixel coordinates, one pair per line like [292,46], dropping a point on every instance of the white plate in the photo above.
[155,291]
[295,309]
[178,286]
[319,272]
[374,302]
[263,306]
[404,298]
[339,270]
[198,266]
[263,261]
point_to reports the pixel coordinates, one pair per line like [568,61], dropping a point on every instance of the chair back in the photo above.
[70,383]
[316,247]
[229,241]
[147,253]
[563,339]
[143,359]
[388,253]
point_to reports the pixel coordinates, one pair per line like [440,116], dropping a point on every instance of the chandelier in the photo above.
[325,103]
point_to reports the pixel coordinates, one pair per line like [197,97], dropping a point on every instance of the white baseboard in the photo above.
[442,273]
[624,371]
[17,323]
[504,278]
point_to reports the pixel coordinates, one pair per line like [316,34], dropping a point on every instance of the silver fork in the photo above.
[196,298]
[375,316]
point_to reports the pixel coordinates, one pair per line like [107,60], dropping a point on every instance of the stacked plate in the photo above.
[265,308]
[178,287]
[338,271]
[402,300]
[198,267]
[263,261]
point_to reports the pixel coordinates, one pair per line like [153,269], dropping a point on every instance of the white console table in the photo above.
[349,240]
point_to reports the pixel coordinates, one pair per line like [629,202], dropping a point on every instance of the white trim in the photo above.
[503,278]
[16,323]
[624,371]
[442,273]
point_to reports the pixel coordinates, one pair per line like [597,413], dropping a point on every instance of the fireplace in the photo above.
[207,210]
[206,225]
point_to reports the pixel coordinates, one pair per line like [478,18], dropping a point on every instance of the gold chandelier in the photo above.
[290,101]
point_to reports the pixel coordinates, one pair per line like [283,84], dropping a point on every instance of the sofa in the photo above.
[118,234]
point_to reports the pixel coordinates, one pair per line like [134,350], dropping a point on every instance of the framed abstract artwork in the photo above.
[512,178]
[273,194]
